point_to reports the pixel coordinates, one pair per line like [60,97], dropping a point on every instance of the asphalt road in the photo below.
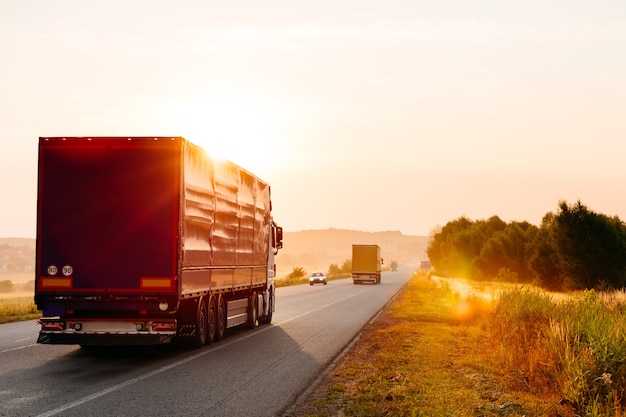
[258,372]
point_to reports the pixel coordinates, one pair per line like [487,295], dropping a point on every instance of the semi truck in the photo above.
[149,240]
[366,264]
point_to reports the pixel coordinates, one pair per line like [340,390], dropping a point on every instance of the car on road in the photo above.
[318,278]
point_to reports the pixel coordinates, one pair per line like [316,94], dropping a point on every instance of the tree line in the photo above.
[573,248]
[7,286]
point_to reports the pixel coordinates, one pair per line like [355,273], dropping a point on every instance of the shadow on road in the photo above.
[250,372]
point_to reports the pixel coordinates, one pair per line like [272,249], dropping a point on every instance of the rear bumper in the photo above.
[109,339]
[359,278]
[94,331]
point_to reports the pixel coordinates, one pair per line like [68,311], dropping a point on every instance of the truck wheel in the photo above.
[253,320]
[270,309]
[212,320]
[201,324]
[221,318]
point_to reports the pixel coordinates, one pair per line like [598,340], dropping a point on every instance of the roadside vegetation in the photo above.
[573,249]
[8,287]
[574,348]
[516,350]
[16,301]
[18,309]
[501,350]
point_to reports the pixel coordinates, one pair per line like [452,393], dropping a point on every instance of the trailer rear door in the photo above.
[108,212]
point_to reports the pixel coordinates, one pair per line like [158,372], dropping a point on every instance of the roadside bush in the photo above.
[575,348]
[589,345]
[6,286]
[333,270]
[343,271]
[295,277]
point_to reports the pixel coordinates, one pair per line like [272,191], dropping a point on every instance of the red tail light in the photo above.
[52,326]
[164,327]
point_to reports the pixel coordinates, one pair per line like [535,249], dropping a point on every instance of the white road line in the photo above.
[18,348]
[222,345]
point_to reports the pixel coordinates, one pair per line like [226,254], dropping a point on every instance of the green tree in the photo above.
[449,248]
[334,270]
[455,249]
[507,249]
[346,266]
[544,260]
[574,248]
[591,246]
[297,273]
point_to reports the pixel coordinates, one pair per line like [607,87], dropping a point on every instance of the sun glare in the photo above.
[249,132]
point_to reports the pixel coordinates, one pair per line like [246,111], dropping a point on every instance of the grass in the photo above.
[436,353]
[575,348]
[18,309]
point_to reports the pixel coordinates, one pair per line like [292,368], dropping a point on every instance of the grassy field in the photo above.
[18,309]
[514,351]
[18,304]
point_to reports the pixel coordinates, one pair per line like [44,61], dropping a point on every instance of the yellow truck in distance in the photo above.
[366,264]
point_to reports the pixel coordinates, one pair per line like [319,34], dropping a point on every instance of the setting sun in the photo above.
[239,129]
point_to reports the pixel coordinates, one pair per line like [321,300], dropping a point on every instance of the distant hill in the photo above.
[317,249]
[17,242]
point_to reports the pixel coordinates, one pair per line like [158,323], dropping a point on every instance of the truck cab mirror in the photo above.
[279,238]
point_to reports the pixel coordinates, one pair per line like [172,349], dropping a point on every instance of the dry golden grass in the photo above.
[18,309]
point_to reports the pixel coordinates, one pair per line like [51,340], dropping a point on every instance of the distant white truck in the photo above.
[366,264]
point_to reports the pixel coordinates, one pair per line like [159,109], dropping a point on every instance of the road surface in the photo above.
[258,372]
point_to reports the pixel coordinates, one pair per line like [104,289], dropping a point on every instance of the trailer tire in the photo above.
[201,324]
[212,321]
[221,318]
[253,319]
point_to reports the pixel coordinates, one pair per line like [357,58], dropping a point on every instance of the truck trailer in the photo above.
[366,264]
[148,240]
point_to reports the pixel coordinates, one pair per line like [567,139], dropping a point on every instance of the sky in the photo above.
[364,115]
